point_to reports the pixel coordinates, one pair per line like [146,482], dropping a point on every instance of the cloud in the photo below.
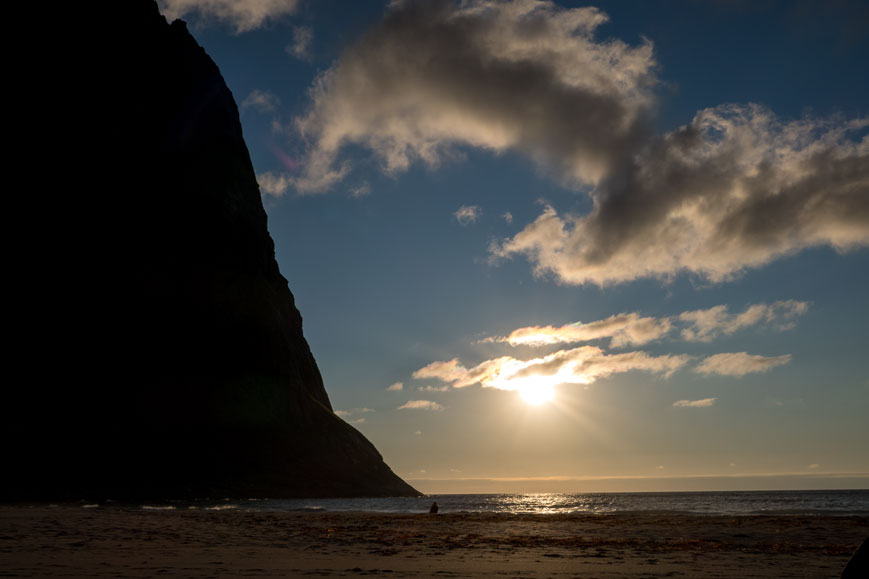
[507,217]
[272,184]
[708,324]
[583,365]
[396,387]
[704,403]
[734,189]
[739,364]
[261,100]
[522,75]
[420,405]
[628,329]
[623,329]
[301,45]
[348,413]
[243,15]
[433,388]
[467,214]
[361,190]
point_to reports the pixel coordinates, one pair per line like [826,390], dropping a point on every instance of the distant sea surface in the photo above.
[834,502]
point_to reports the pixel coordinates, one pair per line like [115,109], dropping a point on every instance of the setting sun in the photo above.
[536,392]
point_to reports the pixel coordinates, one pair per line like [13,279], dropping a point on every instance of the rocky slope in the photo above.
[159,348]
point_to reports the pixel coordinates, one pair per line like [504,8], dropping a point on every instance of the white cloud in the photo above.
[244,15]
[348,413]
[508,217]
[396,387]
[271,184]
[739,364]
[704,403]
[301,45]
[467,214]
[520,75]
[707,324]
[583,365]
[420,405]
[628,329]
[622,329]
[262,100]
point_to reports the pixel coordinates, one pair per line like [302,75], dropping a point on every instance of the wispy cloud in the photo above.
[583,365]
[261,100]
[273,184]
[243,15]
[739,364]
[705,325]
[361,190]
[467,214]
[629,329]
[353,412]
[420,405]
[622,329]
[301,46]
[704,403]
[433,388]
[395,387]
[507,217]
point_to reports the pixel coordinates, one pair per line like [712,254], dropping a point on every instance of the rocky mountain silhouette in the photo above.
[157,347]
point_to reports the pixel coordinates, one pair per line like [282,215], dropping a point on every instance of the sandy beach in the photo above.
[72,541]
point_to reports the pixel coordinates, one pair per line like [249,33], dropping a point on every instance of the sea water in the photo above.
[829,502]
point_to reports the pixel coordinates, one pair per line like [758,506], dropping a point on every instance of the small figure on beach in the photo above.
[434,508]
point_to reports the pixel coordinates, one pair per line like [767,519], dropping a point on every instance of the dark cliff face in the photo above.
[162,351]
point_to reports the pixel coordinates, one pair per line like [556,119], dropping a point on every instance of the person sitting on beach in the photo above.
[434,508]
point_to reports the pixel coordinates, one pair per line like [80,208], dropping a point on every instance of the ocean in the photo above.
[820,502]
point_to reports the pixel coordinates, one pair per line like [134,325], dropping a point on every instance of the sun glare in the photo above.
[536,392]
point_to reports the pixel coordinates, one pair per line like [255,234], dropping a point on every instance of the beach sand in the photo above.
[72,541]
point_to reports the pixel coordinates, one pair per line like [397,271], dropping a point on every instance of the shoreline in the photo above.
[43,541]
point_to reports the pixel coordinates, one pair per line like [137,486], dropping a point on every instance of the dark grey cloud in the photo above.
[521,75]
[737,188]
[734,189]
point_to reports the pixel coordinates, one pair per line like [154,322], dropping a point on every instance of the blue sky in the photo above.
[655,212]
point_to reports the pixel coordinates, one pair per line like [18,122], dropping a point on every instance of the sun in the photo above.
[536,391]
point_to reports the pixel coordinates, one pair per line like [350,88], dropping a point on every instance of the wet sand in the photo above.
[71,541]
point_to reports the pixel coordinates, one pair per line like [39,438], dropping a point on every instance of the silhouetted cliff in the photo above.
[159,349]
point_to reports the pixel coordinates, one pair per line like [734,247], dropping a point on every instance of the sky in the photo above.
[558,246]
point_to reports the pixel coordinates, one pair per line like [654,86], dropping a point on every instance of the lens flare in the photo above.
[536,391]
